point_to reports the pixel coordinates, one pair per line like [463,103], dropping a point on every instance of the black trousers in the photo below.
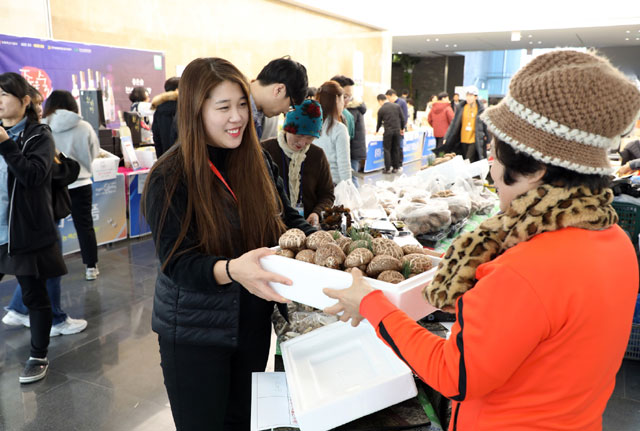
[35,297]
[392,146]
[470,152]
[81,203]
[209,387]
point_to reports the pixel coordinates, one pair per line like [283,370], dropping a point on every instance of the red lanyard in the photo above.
[215,171]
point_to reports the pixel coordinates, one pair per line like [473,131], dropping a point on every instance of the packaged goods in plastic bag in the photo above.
[388,200]
[450,171]
[347,195]
[369,196]
[302,319]
[482,200]
[459,205]
[422,218]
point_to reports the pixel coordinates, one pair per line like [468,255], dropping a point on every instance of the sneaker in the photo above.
[386,171]
[396,170]
[13,318]
[68,327]
[35,369]
[91,273]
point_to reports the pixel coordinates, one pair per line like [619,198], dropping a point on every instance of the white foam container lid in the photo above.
[309,280]
[338,373]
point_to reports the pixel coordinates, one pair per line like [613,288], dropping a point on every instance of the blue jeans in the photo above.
[53,289]
[355,165]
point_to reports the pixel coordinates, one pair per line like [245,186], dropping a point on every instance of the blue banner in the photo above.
[137,224]
[412,144]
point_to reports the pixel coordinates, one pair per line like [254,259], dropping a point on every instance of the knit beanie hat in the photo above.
[567,109]
[305,119]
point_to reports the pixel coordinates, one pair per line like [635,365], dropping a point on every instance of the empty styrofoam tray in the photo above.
[309,280]
[339,373]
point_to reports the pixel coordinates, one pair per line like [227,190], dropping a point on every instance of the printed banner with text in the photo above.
[54,65]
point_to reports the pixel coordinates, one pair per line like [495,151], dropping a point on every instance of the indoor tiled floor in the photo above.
[108,377]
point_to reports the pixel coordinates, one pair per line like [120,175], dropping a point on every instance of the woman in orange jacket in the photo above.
[530,349]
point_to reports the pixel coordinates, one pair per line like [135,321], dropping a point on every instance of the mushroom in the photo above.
[381,263]
[344,244]
[359,256]
[391,276]
[330,256]
[412,249]
[385,246]
[285,252]
[306,256]
[361,243]
[418,263]
[293,239]
[319,238]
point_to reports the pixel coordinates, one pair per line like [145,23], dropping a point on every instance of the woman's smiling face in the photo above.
[225,114]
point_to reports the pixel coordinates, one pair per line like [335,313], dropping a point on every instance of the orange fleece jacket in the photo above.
[537,342]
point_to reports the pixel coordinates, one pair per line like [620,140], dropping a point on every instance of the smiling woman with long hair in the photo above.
[213,203]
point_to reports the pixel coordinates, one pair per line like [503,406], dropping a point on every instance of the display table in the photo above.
[109,215]
[135,181]
[414,145]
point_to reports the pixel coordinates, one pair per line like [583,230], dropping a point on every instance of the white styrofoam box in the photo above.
[407,295]
[338,373]
[309,280]
[104,167]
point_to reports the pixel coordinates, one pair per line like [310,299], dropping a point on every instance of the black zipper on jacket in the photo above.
[455,417]
[387,337]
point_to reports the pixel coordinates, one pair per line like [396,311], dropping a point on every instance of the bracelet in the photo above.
[228,273]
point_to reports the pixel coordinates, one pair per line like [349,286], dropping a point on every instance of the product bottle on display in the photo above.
[98,80]
[83,85]
[92,84]
[105,100]
[75,92]
[112,102]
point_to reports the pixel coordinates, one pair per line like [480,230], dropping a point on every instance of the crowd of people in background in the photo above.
[212,222]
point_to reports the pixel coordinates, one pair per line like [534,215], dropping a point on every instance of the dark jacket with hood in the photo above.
[452,138]
[30,164]
[189,306]
[163,127]
[359,140]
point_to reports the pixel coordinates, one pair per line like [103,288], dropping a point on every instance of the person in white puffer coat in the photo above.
[76,139]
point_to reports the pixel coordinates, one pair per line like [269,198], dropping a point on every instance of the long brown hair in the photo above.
[326,95]
[259,206]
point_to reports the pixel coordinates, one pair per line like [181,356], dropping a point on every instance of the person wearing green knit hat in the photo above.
[303,166]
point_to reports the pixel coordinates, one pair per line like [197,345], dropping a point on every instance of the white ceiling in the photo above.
[488,24]
[575,37]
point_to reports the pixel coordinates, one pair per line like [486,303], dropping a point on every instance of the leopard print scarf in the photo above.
[543,209]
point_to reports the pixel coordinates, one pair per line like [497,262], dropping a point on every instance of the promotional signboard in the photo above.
[137,224]
[411,149]
[55,65]
[109,216]
[429,144]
